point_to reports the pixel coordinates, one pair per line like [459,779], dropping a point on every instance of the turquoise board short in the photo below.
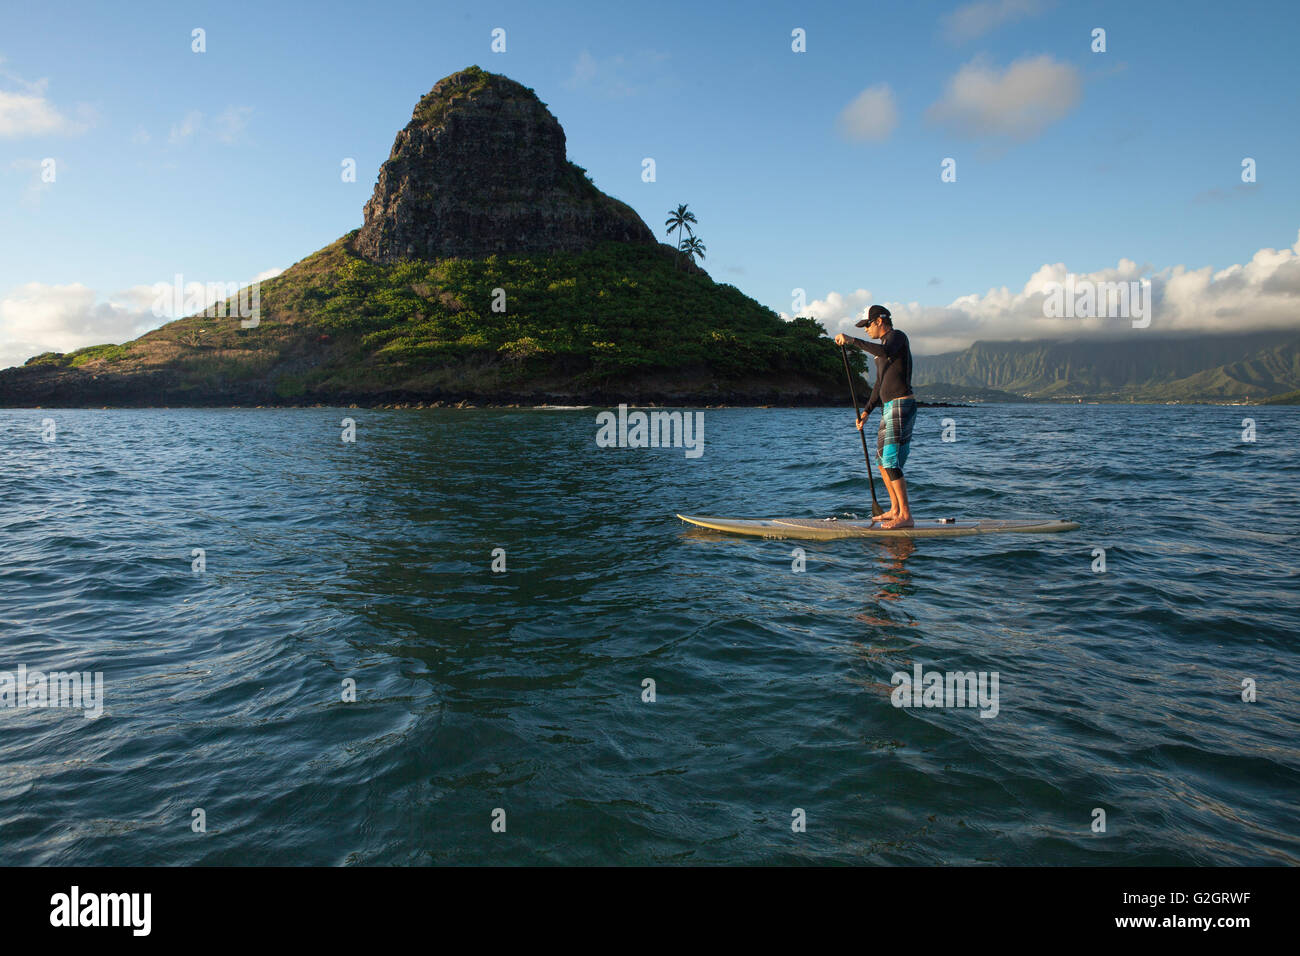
[895,434]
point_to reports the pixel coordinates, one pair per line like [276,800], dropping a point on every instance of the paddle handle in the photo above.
[857,413]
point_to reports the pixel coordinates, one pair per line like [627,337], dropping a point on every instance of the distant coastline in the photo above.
[573,405]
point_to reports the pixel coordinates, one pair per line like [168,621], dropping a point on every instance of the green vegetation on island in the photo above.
[617,318]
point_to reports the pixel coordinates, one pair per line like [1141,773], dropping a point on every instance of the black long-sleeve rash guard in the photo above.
[893,367]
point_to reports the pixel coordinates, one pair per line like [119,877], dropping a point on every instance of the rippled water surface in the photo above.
[371,562]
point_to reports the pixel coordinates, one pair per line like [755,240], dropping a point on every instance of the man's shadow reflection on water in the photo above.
[892,582]
[892,578]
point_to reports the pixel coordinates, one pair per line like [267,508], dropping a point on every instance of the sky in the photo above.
[126,157]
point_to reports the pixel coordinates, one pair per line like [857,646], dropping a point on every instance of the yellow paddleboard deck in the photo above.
[826,529]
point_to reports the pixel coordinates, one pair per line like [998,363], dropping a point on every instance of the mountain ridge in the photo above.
[1246,366]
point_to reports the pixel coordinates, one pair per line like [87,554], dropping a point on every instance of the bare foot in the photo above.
[898,522]
[885,516]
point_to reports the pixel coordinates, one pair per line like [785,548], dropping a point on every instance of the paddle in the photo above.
[875,505]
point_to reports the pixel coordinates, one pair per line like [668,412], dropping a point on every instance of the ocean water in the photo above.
[517,697]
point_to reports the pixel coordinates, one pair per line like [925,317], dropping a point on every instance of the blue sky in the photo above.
[225,164]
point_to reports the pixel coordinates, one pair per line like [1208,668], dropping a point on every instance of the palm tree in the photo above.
[679,220]
[693,247]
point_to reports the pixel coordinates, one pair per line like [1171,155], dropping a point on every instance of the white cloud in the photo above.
[585,70]
[37,318]
[619,75]
[837,311]
[1017,103]
[186,128]
[973,20]
[1263,293]
[25,110]
[871,116]
[227,126]
[25,115]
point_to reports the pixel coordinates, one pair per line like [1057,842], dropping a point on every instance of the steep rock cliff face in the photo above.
[481,169]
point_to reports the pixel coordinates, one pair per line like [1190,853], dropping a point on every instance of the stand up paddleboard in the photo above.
[826,529]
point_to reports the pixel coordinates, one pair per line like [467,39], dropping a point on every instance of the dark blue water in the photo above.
[372,561]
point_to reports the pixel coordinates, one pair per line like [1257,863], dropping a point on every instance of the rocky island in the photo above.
[488,269]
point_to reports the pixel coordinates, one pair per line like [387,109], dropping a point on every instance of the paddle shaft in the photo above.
[875,505]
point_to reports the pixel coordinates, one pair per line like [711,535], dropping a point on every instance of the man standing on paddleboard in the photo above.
[893,392]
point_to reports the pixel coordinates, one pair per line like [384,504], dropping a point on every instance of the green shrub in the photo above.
[106,353]
[49,358]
